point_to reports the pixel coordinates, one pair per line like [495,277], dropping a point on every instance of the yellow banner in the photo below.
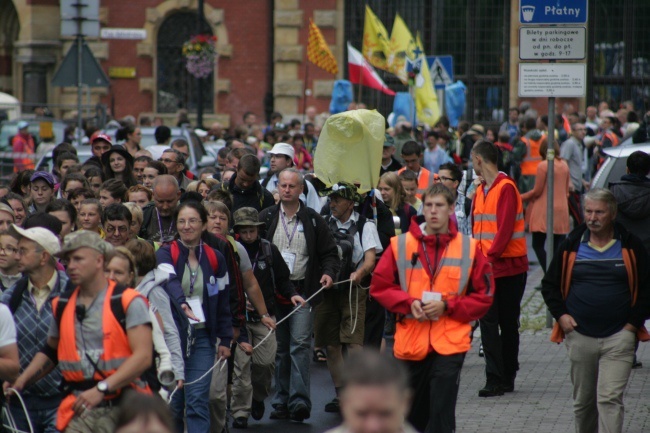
[318,52]
[376,43]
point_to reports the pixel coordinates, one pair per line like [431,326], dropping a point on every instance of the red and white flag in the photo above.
[361,72]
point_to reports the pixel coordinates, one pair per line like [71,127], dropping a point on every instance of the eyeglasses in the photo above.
[111,229]
[23,251]
[167,161]
[446,179]
[191,221]
[8,250]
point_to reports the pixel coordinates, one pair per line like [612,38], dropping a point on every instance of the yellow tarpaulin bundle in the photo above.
[349,149]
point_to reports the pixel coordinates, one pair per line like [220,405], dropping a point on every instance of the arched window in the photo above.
[176,88]
[9,27]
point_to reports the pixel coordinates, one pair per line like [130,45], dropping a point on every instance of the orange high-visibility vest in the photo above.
[533,158]
[425,180]
[24,163]
[413,339]
[612,137]
[485,220]
[116,350]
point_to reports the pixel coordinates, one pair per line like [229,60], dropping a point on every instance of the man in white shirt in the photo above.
[340,318]
[282,156]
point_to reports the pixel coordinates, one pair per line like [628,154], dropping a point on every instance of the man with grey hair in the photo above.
[596,288]
[174,160]
[308,248]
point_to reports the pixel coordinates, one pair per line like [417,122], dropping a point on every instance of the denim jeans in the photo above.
[293,358]
[43,420]
[193,399]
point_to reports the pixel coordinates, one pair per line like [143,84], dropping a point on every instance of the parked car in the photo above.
[46,163]
[615,164]
[42,129]
[199,157]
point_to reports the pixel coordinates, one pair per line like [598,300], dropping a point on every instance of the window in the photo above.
[176,87]
[474,32]
[619,53]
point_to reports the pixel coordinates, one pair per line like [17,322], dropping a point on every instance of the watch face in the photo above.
[102,386]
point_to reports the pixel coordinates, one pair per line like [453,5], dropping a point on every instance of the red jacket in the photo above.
[385,287]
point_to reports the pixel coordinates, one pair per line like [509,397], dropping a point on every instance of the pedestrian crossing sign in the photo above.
[442,70]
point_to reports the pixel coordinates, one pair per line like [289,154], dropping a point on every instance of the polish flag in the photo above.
[361,72]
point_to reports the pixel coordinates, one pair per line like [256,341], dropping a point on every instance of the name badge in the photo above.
[289,259]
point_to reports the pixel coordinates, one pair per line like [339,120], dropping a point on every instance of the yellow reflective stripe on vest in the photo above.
[403,263]
[464,263]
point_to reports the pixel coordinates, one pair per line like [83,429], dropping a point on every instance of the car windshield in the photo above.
[49,130]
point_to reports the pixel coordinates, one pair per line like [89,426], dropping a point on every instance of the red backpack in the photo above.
[212,257]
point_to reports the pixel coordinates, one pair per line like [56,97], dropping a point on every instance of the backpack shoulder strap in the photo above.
[175,252]
[265,245]
[17,296]
[59,303]
[212,258]
[117,307]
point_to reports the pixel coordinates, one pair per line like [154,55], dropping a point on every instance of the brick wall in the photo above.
[248,24]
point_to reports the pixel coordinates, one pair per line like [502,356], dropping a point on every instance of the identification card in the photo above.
[195,304]
[431,297]
[289,259]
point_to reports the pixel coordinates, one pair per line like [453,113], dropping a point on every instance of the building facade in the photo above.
[262,54]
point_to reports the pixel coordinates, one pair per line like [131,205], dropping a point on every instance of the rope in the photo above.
[11,426]
[298,307]
[219,361]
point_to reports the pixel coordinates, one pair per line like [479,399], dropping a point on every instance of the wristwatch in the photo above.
[265,315]
[102,386]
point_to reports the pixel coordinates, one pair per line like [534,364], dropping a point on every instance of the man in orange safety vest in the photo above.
[438,281]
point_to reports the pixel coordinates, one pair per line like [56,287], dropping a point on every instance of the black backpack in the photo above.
[344,239]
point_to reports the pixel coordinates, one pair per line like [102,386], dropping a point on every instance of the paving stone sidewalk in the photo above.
[542,398]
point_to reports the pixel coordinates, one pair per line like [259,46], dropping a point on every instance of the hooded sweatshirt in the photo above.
[151,287]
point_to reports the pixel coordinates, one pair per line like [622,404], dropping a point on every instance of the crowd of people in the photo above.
[128,275]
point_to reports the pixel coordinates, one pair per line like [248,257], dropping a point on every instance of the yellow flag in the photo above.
[318,52]
[426,99]
[401,42]
[375,41]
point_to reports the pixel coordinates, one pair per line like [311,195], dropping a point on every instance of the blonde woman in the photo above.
[394,197]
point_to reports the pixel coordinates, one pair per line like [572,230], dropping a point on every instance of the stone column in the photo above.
[36,60]
[287,56]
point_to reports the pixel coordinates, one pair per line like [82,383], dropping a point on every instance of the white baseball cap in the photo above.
[42,236]
[282,149]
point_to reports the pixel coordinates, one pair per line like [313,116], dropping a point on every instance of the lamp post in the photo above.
[199,81]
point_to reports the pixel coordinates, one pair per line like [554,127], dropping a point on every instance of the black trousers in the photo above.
[500,330]
[435,381]
[375,319]
[539,245]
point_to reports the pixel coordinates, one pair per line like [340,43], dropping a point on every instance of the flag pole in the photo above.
[360,86]
[304,92]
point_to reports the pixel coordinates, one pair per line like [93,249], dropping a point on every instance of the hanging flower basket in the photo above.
[200,54]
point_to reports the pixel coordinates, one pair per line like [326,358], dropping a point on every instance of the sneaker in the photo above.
[280,412]
[333,406]
[300,413]
[490,391]
[257,410]
[240,422]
